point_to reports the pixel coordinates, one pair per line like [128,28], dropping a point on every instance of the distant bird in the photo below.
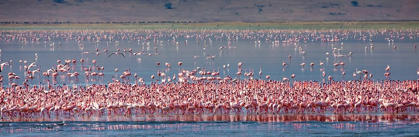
[62,124]
[284,64]
[116,53]
[330,78]
[239,64]
[285,79]
[388,68]
[357,71]
[31,65]
[168,65]
[3,64]
[321,63]
[137,53]
[210,57]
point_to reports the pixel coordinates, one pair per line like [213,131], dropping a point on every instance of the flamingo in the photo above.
[2,65]
[387,68]
[116,53]
[210,57]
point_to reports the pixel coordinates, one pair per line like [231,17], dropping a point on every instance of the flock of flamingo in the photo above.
[197,91]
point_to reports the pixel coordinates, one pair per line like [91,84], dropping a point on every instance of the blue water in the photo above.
[403,60]
[303,125]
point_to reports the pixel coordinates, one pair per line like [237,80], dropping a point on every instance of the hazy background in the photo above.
[207,10]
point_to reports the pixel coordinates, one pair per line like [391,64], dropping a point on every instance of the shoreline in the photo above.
[226,25]
[285,117]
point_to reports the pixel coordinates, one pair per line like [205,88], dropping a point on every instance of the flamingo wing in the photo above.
[111,55]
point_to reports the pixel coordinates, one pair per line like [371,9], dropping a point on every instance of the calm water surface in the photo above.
[278,125]
[404,60]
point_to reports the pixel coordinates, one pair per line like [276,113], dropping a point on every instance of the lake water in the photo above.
[403,60]
[227,125]
[394,48]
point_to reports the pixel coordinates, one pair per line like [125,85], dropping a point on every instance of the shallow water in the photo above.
[224,125]
[403,60]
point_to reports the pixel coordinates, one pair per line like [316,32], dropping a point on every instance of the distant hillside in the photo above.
[207,10]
